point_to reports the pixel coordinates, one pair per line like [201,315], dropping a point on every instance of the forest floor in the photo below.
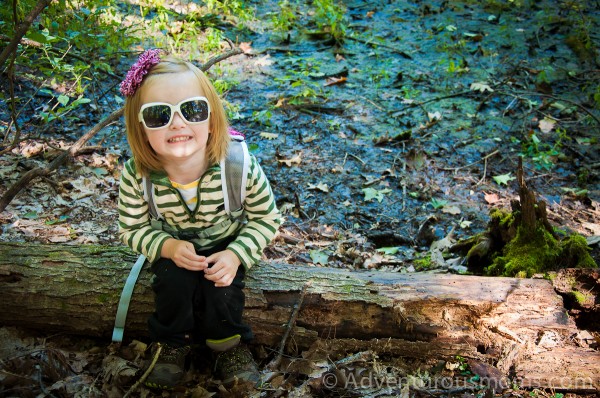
[406,133]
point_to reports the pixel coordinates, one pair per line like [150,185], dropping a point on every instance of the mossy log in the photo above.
[75,289]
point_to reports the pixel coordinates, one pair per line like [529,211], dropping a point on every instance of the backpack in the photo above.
[234,174]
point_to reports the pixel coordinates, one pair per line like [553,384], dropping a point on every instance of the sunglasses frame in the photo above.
[174,108]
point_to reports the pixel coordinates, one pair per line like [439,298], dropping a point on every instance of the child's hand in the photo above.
[224,267]
[184,255]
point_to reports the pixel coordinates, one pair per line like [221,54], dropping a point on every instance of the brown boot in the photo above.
[169,368]
[236,363]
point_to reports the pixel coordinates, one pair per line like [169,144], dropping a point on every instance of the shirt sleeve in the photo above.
[134,218]
[263,217]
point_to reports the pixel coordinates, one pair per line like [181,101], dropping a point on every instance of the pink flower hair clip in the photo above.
[136,73]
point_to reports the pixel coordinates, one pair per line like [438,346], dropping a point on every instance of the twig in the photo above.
[57,162]
[583,108]
[357,158]
[485,159]
[455,169]
[22,29]
[277,360]
[146,373]
[220,58]
[69,54]
[73,150]
[403,179]
[394,49]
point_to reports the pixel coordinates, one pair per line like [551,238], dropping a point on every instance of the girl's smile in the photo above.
[179,144]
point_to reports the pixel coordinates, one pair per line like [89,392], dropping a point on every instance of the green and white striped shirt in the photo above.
[208,222]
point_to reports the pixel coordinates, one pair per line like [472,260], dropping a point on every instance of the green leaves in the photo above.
[438,203]
[371,193]
[503,179]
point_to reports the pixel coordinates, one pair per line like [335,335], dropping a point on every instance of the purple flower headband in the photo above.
[136,73]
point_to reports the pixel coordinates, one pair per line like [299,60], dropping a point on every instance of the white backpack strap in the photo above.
[148,188]
[119,328]
[234,174]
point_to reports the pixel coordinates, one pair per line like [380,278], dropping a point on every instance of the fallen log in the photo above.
[514,324]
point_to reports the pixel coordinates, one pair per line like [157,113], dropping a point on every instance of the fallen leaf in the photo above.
[371,193]
[310,138]
[269,136]
[595,228]
[481,87]
[451,210]
[389,250]
[546,125]
[339,57]
[370,14]
[491,198]
[434,116]
[246,47]
[319,187]
[319,257]
[335,80]
[503,179]
[280,102]
[465,224]
[289,162]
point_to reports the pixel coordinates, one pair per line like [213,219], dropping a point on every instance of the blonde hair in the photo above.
[145,158]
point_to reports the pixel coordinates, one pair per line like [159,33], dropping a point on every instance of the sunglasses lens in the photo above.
[156,116]
[195,111]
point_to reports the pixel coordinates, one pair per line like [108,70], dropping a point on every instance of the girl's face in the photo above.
[178,141]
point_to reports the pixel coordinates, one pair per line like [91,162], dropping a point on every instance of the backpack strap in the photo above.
[119,328]
[234,174]
[148,189]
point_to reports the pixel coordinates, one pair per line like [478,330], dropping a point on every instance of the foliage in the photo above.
[284,20]
[298,79]
[543,153]
[330,16]
[57,60]
[74,44]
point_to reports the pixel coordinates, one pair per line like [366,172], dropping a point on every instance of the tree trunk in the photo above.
[516,324]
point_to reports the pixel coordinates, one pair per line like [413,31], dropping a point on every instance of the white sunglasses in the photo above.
[156,115]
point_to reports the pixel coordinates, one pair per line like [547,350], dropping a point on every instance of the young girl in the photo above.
[178,133]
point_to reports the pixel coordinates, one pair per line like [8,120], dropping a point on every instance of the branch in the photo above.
[74,150]
[220,58]
[274,364]
[22,29]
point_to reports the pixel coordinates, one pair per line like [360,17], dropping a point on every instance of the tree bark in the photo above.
[517,324]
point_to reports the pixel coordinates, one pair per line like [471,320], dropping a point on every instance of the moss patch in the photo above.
[505,218]
[579,297]
[532,253]
[576,253]
[423,263]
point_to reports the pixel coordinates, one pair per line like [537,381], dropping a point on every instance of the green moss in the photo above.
[538,252]
[576,253]
[103,298]
[423,263]
[551,276]
[579,297]
[526,254]
[505,218]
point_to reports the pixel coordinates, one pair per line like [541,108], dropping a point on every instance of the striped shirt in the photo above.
[208,222]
